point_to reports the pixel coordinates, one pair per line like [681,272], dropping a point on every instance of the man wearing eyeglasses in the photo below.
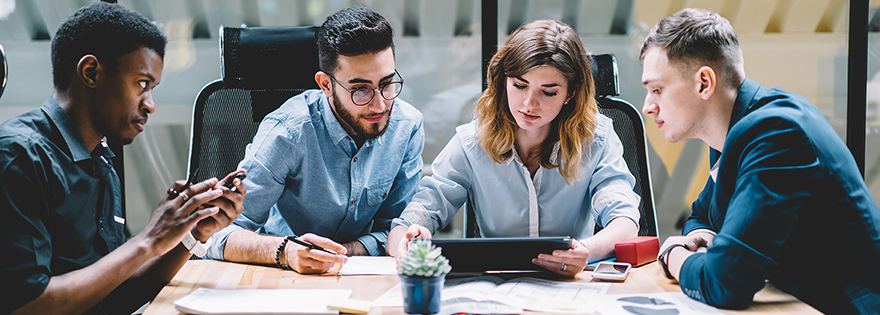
[331,167]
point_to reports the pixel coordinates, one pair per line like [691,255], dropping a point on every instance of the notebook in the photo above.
[477,255]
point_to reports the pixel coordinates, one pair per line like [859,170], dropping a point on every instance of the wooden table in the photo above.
[225,275]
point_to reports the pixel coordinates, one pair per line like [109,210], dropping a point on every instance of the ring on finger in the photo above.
[563,267]
[173,193]
[184,196]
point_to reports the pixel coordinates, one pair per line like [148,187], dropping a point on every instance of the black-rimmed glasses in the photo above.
[363,95]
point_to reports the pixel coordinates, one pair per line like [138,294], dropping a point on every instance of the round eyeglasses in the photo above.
[363,95]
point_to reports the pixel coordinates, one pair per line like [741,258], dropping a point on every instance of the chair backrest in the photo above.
[630,128]
[4,71]
[261,67]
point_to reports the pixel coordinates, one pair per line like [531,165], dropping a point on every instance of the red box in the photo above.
[638,251]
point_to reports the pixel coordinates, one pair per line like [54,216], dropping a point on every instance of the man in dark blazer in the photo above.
[785,199]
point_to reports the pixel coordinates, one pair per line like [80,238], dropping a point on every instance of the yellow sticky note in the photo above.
[351,306]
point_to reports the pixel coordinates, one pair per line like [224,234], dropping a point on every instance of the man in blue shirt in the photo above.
[63,242]
[332,166]
[785,199]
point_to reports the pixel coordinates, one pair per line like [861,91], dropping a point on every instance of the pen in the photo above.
[309,245]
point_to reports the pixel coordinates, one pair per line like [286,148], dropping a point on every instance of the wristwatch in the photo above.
[662,258]
[194,246]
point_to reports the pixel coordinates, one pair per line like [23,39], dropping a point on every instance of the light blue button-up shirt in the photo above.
[508,202]
[306,175]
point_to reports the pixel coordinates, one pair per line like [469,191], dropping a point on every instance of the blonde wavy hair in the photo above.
[539,43]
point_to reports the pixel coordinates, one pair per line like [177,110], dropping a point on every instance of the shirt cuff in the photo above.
[400,221]
[372,244]
[614,201]
[701,230]
[218,242]
[689,276]
[415,213]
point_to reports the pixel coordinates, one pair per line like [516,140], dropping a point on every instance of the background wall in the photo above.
[797,45]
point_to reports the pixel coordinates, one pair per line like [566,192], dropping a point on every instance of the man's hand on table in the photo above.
[309,261]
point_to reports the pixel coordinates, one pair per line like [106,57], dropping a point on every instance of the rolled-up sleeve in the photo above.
[612,184]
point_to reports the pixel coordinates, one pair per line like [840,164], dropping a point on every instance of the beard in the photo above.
[367,130]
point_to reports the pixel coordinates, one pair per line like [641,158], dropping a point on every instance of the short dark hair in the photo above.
[693,38]
[106,30]
[351,32]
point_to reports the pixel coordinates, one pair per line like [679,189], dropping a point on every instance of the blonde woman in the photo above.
[538,160]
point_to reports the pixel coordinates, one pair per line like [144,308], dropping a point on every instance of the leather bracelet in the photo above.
[278,255]
[662,258]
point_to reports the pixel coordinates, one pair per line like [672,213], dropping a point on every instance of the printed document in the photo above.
[490,294]
[650,303]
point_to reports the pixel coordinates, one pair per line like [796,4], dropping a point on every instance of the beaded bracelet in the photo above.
[278,255]
[662,259]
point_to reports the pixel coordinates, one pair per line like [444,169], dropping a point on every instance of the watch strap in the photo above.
[663,259]
[194,246]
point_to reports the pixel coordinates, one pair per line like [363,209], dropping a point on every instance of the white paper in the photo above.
[471,306]
[260,301]
[450,305]
[529,293]
[662,303]
[489,294]
[369,265]
[391,298]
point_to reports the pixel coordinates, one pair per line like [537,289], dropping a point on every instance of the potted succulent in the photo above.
[422,273]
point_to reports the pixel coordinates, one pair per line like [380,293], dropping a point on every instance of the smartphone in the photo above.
[229,183]
[615,271]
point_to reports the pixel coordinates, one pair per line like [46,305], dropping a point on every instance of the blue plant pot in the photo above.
[421,295]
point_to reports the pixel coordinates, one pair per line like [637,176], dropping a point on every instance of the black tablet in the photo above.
[472,255]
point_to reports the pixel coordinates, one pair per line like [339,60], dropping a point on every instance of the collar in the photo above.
[554,153]
[744,97]
[515,156]
[744,102]
[103,153]
[334,127]
[713,172]
[72,137]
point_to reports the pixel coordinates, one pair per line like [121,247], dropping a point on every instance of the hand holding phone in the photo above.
[229,183]
[614,271]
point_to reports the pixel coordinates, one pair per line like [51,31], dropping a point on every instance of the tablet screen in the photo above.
[470,255]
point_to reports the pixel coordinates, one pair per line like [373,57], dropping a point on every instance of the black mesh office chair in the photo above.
[630,129]
[261,67]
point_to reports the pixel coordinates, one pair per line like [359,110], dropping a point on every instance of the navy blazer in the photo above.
[788,205]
